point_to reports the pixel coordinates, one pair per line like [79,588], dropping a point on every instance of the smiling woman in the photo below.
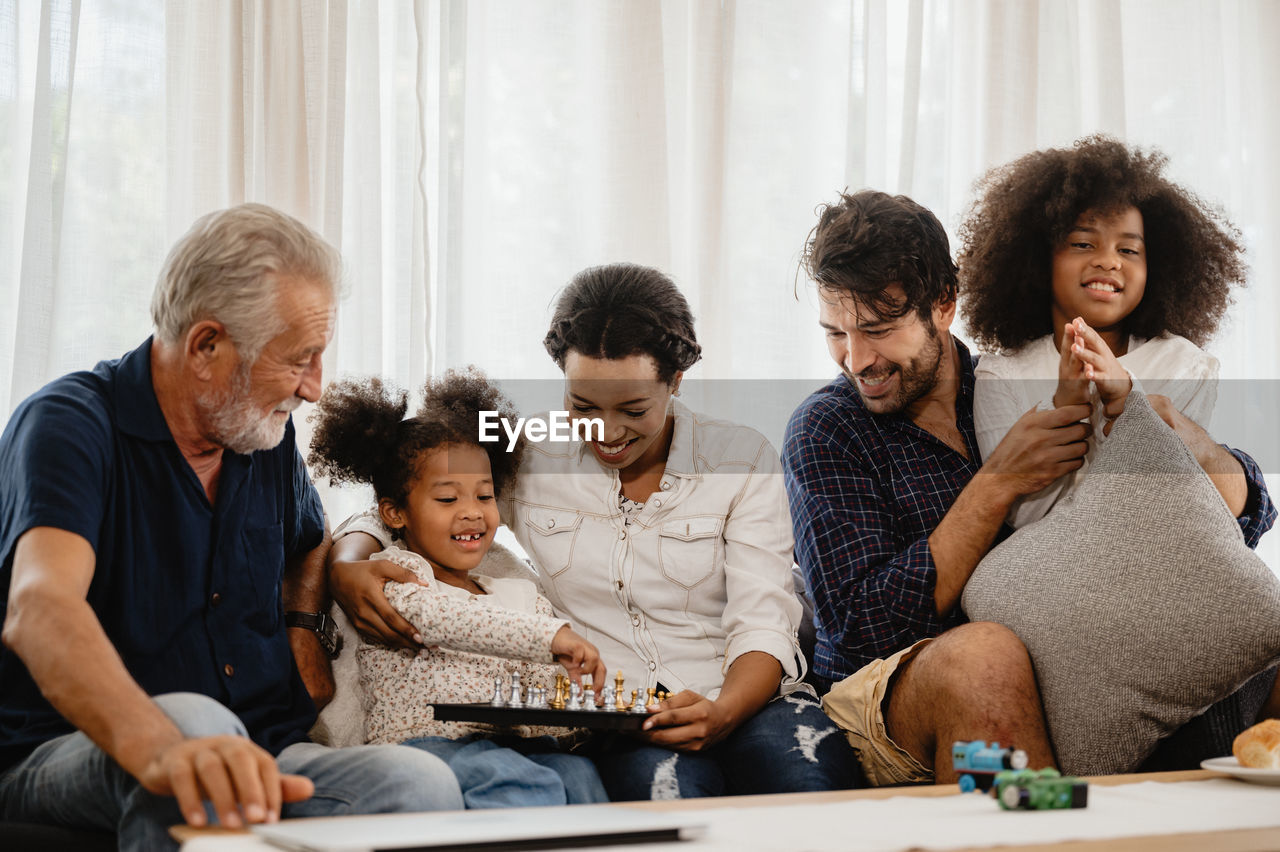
[676,554]
[668,542]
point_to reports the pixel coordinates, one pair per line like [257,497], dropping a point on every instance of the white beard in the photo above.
[237,424]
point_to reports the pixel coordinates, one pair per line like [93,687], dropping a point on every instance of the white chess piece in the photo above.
[515,700]
[496,700]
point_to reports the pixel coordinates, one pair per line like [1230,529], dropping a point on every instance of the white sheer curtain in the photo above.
[469,155]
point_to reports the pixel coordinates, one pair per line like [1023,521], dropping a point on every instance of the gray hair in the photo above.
[226,268]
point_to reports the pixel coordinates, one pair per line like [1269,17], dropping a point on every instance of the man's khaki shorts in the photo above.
[856,704]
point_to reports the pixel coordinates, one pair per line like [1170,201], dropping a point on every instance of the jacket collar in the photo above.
[683,456]
[137,409]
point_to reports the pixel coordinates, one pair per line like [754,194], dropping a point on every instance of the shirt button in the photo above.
[228,670]
[619,584]
[622,535]
[551,523]
[635,620]
[657,503]
[652,666]
[666,485]
[216,599]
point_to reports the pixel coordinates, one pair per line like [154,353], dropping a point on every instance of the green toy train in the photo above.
[1039,790]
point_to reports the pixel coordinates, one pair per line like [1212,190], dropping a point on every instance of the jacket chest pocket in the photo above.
[689,549]
[552,536]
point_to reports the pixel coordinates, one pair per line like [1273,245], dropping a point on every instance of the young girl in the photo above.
[1091,272]
[437,488]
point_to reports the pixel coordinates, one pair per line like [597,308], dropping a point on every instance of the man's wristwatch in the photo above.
[320,624]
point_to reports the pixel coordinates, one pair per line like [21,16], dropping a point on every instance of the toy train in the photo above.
[1039,790]
[977,763]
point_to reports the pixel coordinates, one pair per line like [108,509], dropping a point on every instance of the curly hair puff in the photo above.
[362,436]
[624,309]
[869,240]
[1026,209]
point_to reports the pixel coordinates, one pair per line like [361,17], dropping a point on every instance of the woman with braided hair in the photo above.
[668,543]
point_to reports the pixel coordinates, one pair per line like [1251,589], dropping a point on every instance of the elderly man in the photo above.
[156,522]
[893,508]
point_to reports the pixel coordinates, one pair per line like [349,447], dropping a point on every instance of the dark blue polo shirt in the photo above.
[189,593]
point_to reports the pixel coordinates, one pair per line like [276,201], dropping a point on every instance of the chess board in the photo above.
[609,720]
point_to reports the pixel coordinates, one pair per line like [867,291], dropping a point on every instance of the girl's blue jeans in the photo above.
[511,772]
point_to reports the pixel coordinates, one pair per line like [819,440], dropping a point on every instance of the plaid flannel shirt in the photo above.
[866,491]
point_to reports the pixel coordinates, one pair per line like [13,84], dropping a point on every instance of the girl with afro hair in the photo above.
[437,487]
[1088,271]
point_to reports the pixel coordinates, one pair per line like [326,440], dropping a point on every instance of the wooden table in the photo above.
[1244,840]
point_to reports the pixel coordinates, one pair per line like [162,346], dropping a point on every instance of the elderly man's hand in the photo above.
[238,777]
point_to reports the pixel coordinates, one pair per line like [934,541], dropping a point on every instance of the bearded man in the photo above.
[156,522]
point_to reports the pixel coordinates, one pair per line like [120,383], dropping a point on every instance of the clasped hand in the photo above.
[1086,357]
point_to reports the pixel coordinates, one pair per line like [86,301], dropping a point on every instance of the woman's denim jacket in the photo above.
[699,577]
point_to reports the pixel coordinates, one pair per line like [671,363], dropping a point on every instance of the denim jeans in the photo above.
[789,746]
[70,781]
[513,772]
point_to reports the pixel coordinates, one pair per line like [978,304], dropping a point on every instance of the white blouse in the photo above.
[675,591]
[1010,385]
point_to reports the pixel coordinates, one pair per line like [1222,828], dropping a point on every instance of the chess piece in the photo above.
[620,699]
[557,700]
[589,699]
[515,700]
[575,697]
[652,701]
[496,700]
[636,706]
[607,697]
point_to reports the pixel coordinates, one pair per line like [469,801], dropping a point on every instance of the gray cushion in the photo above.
[1137,598]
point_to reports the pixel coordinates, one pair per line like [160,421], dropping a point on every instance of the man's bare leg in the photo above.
[974,682]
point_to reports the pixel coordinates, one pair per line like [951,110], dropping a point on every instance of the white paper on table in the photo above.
[974,819]
[944,822]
